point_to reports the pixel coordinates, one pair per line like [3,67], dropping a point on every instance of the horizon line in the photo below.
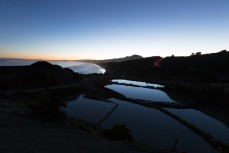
[43,59]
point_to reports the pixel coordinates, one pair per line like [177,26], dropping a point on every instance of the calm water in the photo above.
[148,125]
[141,93]
[87,109]
[137,83]
[80,67]
[203,122]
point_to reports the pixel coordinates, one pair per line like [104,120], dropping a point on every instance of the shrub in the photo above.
[118,132]
[47,107]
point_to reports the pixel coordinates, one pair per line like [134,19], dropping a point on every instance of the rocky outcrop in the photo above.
[39,74]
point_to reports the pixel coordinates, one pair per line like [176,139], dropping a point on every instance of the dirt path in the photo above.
[88,82]
[157,63]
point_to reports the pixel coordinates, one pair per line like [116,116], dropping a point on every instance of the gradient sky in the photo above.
[99,29]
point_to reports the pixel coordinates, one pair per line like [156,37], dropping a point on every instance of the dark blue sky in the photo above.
[73,29]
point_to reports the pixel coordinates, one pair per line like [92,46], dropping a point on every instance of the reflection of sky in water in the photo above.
[141,93]
[87,109]
[138,83]
[155,128]
[84,68]
[148,125]
[204,122]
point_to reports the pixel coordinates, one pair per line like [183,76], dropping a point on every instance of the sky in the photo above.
[103,29]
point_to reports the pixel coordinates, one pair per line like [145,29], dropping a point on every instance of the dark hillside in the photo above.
[203,76]
[138,68]
[209,68]
[39,74]
[127,58]
[206,60]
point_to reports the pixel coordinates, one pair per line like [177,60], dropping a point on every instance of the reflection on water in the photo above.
[148,125]
[219,113]
[87,109]
[141,93]
[204,122]
[80,67]
[137,83]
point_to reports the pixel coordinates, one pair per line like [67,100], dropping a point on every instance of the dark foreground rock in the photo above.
[20,134]
[37,75]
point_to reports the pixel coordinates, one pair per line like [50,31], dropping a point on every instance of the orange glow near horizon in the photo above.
[51,55]
[74,30]
[18,55]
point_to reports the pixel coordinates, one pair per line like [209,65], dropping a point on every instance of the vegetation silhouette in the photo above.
[118,132]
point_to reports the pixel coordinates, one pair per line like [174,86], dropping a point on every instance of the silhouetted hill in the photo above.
[138,67]
[196,68]
[127,58]
[203,76]
[39,74]
[208,68]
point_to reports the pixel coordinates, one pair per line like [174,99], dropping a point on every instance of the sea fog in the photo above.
[80,67]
